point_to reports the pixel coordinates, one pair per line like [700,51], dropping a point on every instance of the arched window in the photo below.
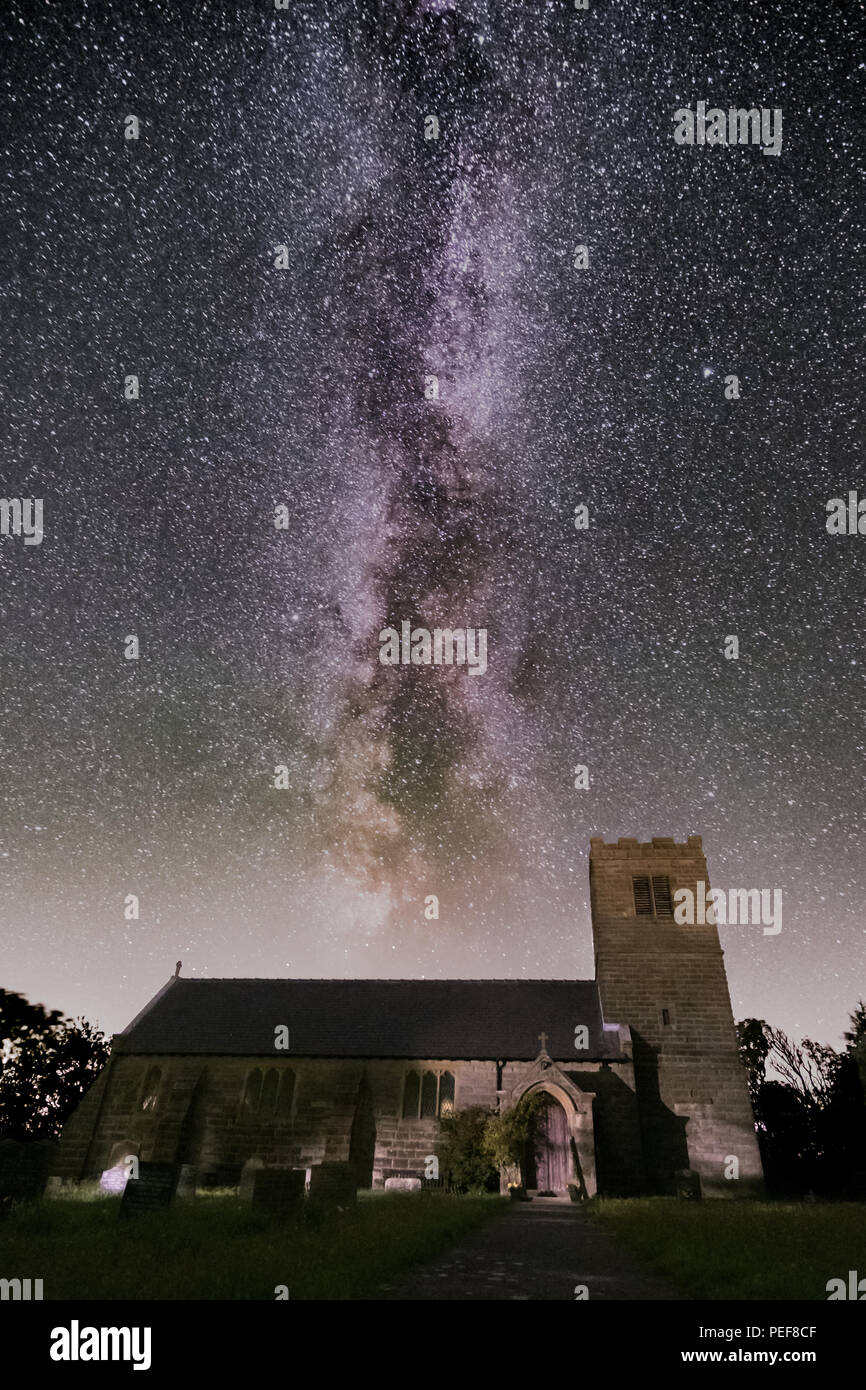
[428,1095]
[411,1091]
[252,1091]
[446,1094]
[150,1089]
[269,1091]
[287,1095]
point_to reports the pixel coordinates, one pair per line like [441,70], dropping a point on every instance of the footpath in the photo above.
[543,1249]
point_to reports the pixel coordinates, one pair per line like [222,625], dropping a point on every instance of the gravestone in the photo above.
[122,1162]
[248,1177]
[333,1187]
[24,1167]
[402,1184]
[220,1175]
[187,1180]
[687,1183]
[114,1180]
[153,1189]
[279,1192]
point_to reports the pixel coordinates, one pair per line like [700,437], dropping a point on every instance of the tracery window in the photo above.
[252,1092]
[428,1095]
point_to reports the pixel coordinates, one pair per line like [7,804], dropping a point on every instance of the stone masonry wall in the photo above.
[200,1117]
[692,1091]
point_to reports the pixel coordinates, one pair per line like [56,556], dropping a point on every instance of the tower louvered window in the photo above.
[662,897]
[652,896]
[643,897]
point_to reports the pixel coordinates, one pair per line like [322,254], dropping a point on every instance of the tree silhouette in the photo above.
[857,1032]
[810,1116]
[754,1046]
[48,1062]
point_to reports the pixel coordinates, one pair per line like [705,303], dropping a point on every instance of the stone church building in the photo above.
[638,1068]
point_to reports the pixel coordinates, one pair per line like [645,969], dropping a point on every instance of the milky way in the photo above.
[409,258]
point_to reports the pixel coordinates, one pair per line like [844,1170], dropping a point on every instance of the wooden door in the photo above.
[550,1148]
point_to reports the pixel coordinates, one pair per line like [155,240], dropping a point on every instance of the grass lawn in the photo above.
[213,1247]
[762,1250]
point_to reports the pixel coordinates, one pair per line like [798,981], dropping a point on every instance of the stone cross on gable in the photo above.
[542,1038]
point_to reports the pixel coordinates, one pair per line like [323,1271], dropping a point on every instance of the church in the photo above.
[640,1079]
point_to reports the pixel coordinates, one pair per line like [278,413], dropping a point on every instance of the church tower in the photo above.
[668,983]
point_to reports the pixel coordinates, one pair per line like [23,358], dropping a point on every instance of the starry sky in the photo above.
[304,387]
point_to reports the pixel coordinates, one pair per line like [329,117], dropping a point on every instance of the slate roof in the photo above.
[435,1019]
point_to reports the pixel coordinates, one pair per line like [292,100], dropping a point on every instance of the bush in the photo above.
[465,1164]
[505,1135]
[475,1145]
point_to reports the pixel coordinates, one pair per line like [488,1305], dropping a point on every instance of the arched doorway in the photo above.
[546,1164]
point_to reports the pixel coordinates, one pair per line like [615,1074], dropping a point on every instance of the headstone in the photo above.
[187,1180]
[122,1164]
[333,1187]
[154,1188]
[248,1176]
[114,1180]
[402,1184]
[278,1192]
[24,1167]
[220,1175]
[687,1183]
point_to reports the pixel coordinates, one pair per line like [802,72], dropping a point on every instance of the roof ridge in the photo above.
[385,979]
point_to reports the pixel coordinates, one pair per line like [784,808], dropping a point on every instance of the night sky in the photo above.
[305,387]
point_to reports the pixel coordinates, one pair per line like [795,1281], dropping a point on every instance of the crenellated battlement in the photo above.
[625,848]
